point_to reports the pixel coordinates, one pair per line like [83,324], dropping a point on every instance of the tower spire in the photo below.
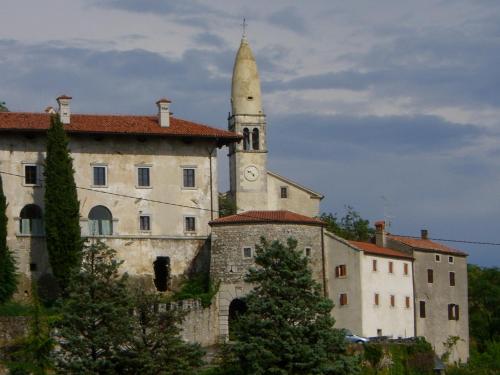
[244,27]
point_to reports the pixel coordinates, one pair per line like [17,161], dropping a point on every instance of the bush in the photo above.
[198,286]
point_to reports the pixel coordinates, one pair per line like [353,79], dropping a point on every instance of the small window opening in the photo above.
[452,278]
[341,271]
[430,276]
[438,258]
[343,299]
[31,175]
[376,299]
[33,267]
[250,97]
[284,192]
[190,224]
[379,332]
[145,222]
[308,252]
[255,139]
[422,309]
[162,273]
[407,302]
[31,220]
[391,267]
[451,260]
[247,252]
[246,139]
[374,265]
[393,300]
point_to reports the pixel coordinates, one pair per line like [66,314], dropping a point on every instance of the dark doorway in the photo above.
[162,273]
[237,308]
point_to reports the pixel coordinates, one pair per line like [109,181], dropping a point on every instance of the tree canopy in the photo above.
[8,277]
[287,327]
[3,107]
[62,209]
[351,226]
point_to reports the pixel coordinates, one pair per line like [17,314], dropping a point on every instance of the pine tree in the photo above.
[62,217]
[95,328]
[287,328]
[8,277]
[156,346]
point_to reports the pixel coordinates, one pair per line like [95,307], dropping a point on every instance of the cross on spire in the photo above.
[244,26]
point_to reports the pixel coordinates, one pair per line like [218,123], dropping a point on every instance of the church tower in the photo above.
[247,159]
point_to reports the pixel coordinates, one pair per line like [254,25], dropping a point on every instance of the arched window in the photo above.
[255,139]
[31,220]
[100,221]
[246,139]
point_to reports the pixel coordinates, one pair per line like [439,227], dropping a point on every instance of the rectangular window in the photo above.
[391,267]
[308,252]
[190,224]
[343,299]
[451,260]
[379,332]
[143,177]
[189,178]
[247,252]
[99,173]
[376,299]
[374,264]
[407,302]
[341,271]
[284,192]
[437,258]
[422,309]
[393,300]
[145,222]
[452,278]
[453,312]
[405,269]
[430,276]
[31,174]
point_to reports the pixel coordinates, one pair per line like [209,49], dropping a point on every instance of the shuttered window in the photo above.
[452,278]
[343,299]
[430,276]
[422,309]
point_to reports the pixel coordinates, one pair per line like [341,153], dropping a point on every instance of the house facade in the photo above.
[372,287]
[147,185]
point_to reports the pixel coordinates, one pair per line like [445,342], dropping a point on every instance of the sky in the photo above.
[392,107]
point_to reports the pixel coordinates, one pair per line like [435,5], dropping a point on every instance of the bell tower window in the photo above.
[255,139]
[246,139]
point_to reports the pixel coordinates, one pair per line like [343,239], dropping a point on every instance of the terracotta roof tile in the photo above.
[371,248]
[427,245]
[114,124]
[267,217]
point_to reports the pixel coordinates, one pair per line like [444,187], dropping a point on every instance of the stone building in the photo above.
[233,248]
[441,299]
[372,288]
[147,186]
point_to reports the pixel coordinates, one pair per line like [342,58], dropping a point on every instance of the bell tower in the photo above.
[247,159]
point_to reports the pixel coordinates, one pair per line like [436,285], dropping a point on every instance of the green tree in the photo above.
[95,325]
[227,205]
[351,226]
[156,346]
[34,352]
[3,107]
[287,328]
[62,217]
[8,277]
[484,305]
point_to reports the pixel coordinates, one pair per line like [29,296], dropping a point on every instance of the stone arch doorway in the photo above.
[237,307]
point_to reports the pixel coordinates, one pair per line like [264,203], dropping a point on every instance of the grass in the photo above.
[12,308]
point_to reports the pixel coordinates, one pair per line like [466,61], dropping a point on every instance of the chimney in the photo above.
[64,108]
[424,234]
[380,233]
[164,112]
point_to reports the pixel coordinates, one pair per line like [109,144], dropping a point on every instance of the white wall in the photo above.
[397,321]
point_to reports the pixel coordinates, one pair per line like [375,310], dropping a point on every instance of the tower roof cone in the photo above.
[245,89]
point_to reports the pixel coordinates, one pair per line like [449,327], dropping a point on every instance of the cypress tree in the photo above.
[287,328]
[62,216]
[8,277]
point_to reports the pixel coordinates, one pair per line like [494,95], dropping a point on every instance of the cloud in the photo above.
[210,39]
[289,18]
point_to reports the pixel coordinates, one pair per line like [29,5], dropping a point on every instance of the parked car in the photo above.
[351,337]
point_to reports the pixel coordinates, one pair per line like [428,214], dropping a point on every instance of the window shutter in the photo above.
[450,311]
[452,278]
[456,312]
[337,271]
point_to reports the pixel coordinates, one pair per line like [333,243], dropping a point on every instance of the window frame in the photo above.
[451,259]
[452,279]
[341,271]
[437,258]
[453,312]
[243,252]
[38,174]
[138,180]
[184,177]
[105,168]
[284,189]
[430,276]
[422,313]
[144,215]
[187,226]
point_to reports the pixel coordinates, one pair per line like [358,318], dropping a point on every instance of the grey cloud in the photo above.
[289,18]
[210,39]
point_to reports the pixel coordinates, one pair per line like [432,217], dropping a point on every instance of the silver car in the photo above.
[349,336]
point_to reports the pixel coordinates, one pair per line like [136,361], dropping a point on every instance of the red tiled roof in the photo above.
[114,124]
[377,250]
[427,245]
[267,217]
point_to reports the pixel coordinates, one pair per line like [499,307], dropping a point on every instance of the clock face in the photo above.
[251,173]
